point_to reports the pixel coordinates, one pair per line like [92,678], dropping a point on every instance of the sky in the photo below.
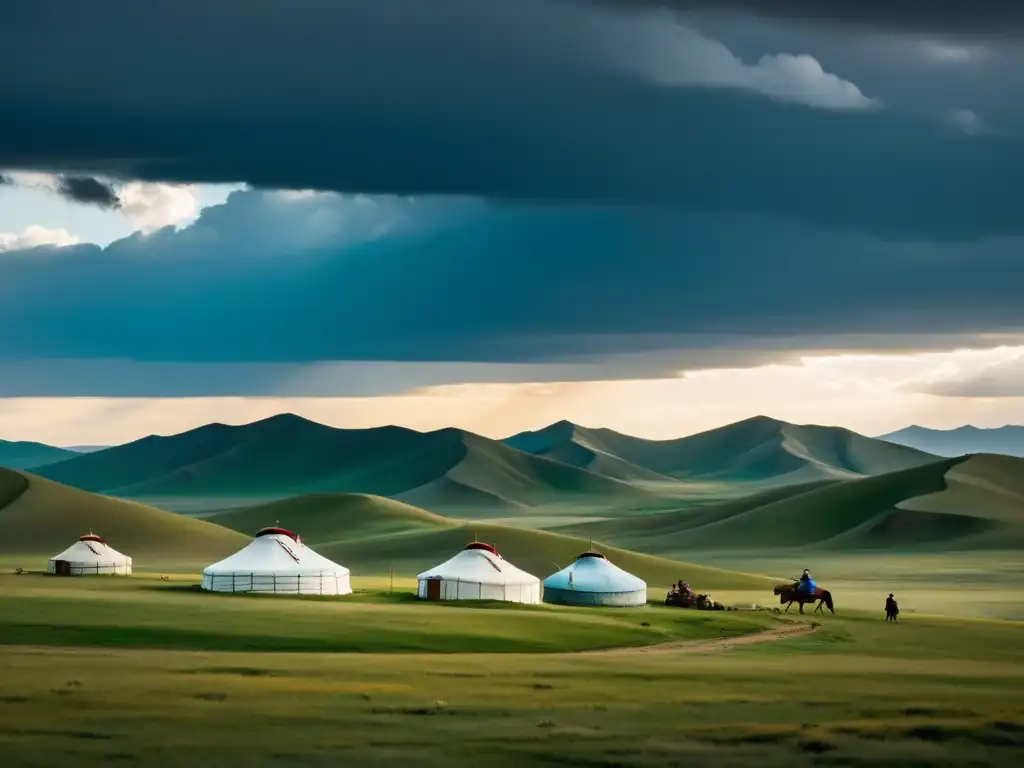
[657,216]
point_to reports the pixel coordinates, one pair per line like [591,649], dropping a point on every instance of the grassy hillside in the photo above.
[949,504]
[666,531]
[984,495]
[22,455]
[45,518]
[327,517]
[371,535]
[286,455]
[12,485]
[538,552]
[759,450]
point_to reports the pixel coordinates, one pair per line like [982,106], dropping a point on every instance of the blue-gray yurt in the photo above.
[593,579]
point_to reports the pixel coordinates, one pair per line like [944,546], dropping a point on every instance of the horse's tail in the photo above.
[827,597]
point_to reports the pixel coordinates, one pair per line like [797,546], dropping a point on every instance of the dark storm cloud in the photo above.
[292,281]
[996,18]
[529,100]
[88,190]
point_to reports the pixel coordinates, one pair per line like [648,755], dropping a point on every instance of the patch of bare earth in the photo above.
[787,632]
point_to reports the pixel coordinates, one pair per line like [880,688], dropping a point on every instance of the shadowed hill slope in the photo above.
[597,450]
[970,503]
[287,455]
[538,552]
[280,455]
[22,455]
[326,517]
[986,488]
[665,531]
[759,449]
[1008,440]
[45,518]
[371,535]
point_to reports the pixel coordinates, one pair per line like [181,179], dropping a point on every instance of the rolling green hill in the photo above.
[760,450]
[371,535]
[972,503]
[41,518]
[22,455]
[538,552]
[286,455]
[327,517]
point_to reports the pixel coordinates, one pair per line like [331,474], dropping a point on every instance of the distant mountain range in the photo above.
[22,455]
[451,469]
[1008,440]
[392,495]
[287,455]
[759,449]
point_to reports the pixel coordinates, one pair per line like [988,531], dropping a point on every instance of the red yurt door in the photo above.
[433,589]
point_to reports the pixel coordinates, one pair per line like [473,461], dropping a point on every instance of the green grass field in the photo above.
[112,670]
[155,672]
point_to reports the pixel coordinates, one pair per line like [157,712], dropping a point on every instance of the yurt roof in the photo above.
[274,529]
[276,552]
[481,546]
[91,549]
[479,563]
[593,572]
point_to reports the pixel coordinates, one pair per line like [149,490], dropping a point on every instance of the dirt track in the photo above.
[786,632]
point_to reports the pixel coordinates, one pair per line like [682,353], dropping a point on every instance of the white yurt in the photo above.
[592,579]
[478,572]
[90,556]
[277,561]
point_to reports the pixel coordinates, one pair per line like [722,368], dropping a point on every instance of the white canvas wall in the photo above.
[277,564]
[91,556]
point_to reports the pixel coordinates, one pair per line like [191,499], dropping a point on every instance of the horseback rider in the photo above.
[806,583]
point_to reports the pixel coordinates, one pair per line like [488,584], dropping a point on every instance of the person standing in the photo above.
[892,610]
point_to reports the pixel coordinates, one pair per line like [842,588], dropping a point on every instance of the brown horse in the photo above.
[789,594]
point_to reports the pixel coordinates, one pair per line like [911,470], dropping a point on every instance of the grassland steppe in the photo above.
[151,670]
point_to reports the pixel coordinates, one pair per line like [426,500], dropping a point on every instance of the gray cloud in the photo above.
[532,100]
[88,190]
[285,281]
